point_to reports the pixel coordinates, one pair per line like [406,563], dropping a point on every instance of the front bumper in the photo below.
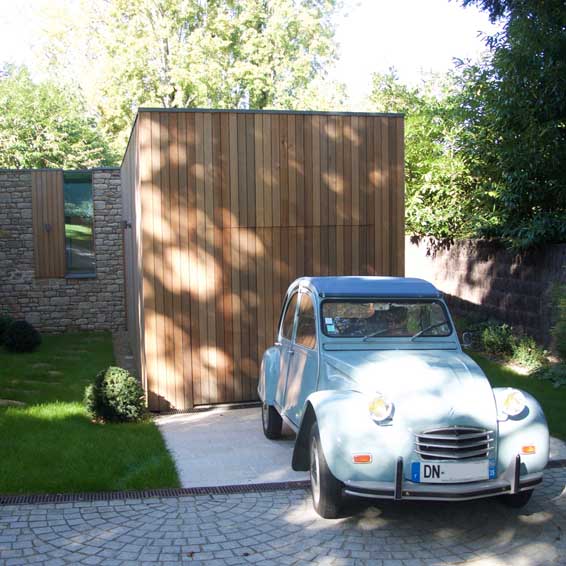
[508,483]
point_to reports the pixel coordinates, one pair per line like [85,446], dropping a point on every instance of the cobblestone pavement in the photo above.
[280,527]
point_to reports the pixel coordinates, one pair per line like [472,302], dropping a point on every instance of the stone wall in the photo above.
[60,304]
[485,279]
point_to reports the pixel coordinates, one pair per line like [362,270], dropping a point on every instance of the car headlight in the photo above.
[513,402]
[380,408]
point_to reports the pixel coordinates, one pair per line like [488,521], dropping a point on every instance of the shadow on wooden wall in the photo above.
[233,206]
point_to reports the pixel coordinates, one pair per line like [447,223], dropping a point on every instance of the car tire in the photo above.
[325,488]
[517,500]
[271,421]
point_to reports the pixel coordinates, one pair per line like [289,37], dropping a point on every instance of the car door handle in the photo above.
[291,352]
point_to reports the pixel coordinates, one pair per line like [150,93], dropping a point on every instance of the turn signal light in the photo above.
[362,458]
[529,449]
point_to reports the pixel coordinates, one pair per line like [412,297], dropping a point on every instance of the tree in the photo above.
[45,125]
[190,53]
[440,196]
[514,140]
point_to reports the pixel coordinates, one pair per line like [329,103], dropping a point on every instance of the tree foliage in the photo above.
[486,150]
[189,53]
[46,125]
[440,199]
[514,140]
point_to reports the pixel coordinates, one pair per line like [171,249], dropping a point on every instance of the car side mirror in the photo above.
[467,339]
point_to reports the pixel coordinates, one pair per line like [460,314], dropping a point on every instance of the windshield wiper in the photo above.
[431,327]
[374,334]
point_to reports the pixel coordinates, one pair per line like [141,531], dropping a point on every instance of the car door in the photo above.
[303,362]
[285,344]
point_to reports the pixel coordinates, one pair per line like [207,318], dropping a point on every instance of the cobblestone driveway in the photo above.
[280,527]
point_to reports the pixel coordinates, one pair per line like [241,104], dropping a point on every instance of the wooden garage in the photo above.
[222,210]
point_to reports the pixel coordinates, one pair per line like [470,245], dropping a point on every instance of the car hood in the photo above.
[427,388]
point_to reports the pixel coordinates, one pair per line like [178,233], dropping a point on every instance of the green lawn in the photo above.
[50,444]
[552,400]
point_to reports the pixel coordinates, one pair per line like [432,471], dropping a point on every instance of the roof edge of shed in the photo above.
[273,111]
[254,111]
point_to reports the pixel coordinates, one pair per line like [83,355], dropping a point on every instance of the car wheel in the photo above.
[517,500]
[326,489]
[271,421]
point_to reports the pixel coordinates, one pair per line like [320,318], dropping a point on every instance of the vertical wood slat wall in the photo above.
[232,207]
[48,221]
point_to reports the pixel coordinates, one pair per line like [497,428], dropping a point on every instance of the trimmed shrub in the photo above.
[559,333]
[115,396]
[527,353]
[5,322]
[497,339]
[559,329]
[21,336]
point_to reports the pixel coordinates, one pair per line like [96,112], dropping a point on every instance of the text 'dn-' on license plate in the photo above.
[449,472]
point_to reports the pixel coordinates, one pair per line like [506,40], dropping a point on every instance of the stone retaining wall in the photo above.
[485,279]
[60,304]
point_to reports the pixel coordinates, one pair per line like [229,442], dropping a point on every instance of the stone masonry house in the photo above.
[62,268]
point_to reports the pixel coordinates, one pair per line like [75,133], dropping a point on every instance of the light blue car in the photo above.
[369,373]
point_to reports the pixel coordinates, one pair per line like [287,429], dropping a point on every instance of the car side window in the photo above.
[288,319]
[306,327]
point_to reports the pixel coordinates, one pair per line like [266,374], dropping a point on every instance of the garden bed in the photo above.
[49,444]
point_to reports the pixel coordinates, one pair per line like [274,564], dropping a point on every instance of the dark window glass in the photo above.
[306,327]
[79,241]
[384,318]
[287,326]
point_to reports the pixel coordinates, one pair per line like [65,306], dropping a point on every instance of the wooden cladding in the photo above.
[48,223]
[132,258]
[234,206]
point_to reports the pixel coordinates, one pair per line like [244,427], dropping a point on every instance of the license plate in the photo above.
[450,472]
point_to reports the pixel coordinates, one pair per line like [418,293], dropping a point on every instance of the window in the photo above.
[306,327]
[384,318]
[287,326]
[79,241]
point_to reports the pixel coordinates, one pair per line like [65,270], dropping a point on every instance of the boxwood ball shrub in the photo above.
[21,336]
[115,396]
[5,322]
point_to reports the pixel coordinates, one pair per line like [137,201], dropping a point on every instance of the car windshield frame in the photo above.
[407,337]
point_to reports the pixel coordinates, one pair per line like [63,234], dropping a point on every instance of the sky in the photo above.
[414,36]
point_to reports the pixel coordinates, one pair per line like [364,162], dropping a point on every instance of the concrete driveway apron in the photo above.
[227,447]
[220,447]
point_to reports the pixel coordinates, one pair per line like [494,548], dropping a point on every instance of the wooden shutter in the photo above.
[48,223]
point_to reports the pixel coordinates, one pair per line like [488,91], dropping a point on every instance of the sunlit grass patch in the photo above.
[50,443]
[552,400]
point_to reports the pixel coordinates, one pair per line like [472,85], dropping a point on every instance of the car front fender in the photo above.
[529,428]
[346,428]
[269,375]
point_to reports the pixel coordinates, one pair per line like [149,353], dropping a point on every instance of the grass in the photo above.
[78,232]
[50,444]
[552,400]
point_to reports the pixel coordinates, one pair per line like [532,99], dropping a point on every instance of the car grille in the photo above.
[454,443]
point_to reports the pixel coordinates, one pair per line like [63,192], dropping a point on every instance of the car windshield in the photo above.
[384,318]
